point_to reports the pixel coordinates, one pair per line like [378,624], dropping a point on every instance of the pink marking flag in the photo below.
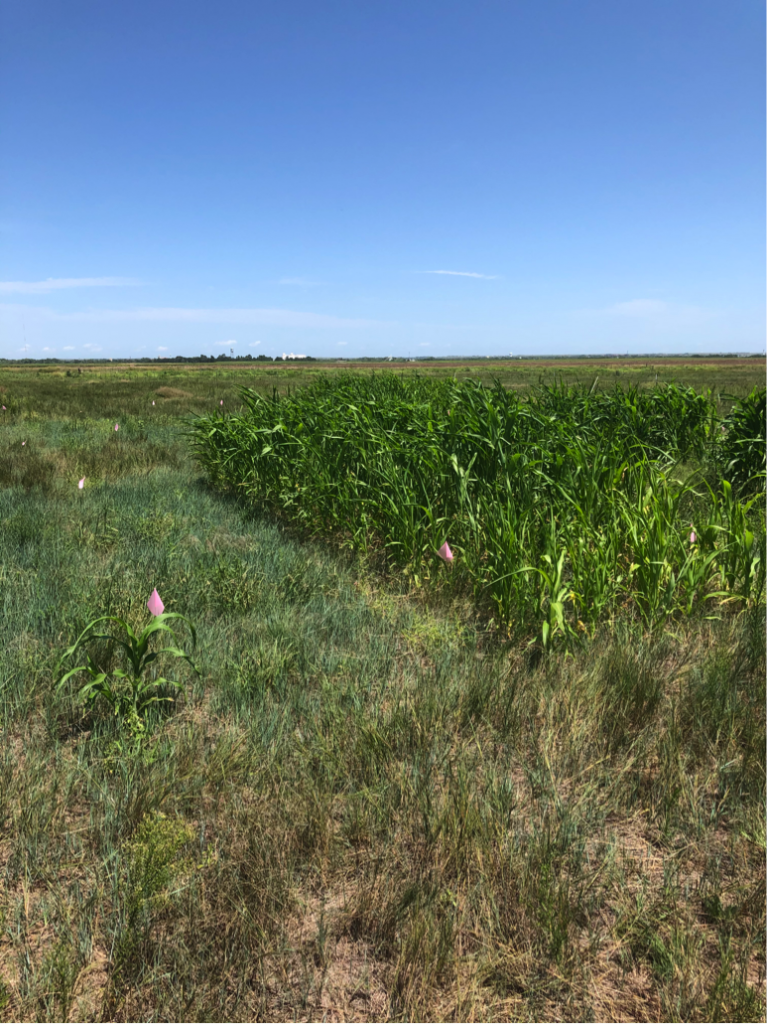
[23,443]
[445,553]
[154,604]
[81,483]
[117,426]
[693,538]
[152,403]
[221,402]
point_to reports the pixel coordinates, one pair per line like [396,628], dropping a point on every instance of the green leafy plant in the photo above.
[130,692]
[742,442]
[564,506]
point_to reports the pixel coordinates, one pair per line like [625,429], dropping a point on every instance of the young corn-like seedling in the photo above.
[129,693]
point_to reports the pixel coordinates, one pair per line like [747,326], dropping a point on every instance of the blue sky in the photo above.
[399,178]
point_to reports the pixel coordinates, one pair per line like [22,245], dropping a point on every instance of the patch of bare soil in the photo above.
[327,976]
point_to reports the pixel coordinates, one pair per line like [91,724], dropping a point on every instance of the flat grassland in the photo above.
[364,806]
[112,389]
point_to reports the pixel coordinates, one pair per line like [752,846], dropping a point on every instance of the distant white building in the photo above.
[292,355]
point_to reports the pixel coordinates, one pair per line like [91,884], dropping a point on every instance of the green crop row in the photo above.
[562,507]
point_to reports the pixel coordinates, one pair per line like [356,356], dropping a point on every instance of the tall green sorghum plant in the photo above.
[562,507]
[741,449]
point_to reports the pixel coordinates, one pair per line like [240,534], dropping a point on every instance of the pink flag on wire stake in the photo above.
[154,604]
[445,553]
[81,483]
[117,426]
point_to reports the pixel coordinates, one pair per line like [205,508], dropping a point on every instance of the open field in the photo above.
[367,805]
[112,389]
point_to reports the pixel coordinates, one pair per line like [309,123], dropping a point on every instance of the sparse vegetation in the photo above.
[368,805]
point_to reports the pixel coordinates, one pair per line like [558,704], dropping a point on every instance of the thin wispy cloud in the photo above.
[649,318]
[461,273]
[171,314]
[650,310]
[52,284]
[224,344]
[638,307]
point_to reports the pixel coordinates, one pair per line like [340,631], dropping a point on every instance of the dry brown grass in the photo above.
[167,392]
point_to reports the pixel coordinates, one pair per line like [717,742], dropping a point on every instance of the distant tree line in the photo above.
[261,358]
